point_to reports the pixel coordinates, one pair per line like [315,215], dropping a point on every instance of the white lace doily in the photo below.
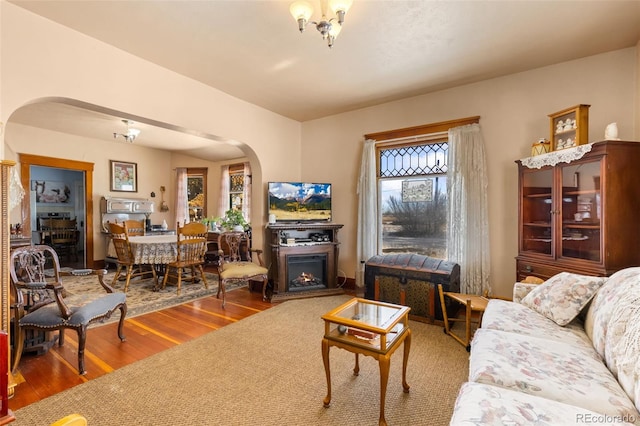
[554,157]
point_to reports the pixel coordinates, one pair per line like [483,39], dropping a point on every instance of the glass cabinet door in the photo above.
[581,211]
[537,235]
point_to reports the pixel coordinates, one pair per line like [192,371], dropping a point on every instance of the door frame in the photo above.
[28,160]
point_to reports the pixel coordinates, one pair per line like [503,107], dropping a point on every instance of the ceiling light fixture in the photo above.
[131,134]
[329,28]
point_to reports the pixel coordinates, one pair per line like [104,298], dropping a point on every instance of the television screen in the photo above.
[300,201]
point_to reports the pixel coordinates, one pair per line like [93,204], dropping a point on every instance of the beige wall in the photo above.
[41,59]
[513,112]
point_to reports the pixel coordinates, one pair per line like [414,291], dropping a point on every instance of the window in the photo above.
[197,193]
[412,191]
[236,186]
[412,188]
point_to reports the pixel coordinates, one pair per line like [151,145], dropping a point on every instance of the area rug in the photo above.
[267,370]
[141,297]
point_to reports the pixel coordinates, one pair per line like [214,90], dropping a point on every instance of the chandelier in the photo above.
[329,27]
[131,134]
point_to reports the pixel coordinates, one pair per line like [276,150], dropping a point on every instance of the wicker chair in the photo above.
[191,248]
[47,308]
[126,259]
[231,264]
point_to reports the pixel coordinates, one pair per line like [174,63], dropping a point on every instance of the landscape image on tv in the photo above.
[298,201]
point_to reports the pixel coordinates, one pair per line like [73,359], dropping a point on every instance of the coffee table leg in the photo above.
[356,369]
[384,362]
[327,370]
[405,359]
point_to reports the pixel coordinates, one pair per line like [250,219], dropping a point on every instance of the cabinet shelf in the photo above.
[546,195]
[538,224]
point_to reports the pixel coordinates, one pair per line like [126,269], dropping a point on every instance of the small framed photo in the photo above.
[124,176]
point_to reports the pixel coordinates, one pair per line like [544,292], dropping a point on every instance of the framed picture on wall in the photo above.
[124,176]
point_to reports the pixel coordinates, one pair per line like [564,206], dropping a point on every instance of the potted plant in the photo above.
[234,220]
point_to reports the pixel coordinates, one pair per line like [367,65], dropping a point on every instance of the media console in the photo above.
[304,257]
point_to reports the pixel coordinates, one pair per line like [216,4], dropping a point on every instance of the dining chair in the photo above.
[134,227]
[235,263]
[125,258]
[39,300]
[191,247]
[63,236]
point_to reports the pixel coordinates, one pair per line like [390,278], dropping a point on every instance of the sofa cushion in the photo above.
[492,405]
[560,371]
[562,297]
[605,301]
[516,318]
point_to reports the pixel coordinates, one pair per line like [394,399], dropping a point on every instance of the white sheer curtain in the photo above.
[468,224]
[246,193]
[182,202]
[223,201]
[367,210]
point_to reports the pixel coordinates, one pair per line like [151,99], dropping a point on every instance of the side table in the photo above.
[370,328]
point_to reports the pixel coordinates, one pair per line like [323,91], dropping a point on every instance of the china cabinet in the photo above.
[570,127]
[580,214]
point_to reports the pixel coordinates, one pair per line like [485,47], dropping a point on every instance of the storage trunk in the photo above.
[417,276]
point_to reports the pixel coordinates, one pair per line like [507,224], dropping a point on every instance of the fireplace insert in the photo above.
[306,272]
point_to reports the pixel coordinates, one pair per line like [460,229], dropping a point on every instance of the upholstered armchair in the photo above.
[39,302]
[231,264]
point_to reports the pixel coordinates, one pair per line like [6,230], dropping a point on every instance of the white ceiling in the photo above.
[387,50]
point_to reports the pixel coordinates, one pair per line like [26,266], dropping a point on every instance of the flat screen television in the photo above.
[300,201]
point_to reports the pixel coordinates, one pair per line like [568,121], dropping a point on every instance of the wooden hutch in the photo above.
[581,213]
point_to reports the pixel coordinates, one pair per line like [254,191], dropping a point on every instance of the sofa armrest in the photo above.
[520,290]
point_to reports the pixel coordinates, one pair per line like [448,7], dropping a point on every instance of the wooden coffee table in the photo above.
[370,328]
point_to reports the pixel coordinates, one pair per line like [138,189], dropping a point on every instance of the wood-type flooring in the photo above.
[40,376]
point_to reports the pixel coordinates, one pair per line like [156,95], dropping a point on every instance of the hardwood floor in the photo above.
[56,370]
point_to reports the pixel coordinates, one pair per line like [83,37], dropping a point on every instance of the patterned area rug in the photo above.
[141,298]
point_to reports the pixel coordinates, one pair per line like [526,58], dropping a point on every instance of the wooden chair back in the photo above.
[63,231]
[120,240]
[134,227]
[233,247]
[192,243]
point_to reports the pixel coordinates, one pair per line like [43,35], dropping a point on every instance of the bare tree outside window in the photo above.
[413,199]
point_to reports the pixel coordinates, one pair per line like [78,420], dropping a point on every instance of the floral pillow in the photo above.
[562,297]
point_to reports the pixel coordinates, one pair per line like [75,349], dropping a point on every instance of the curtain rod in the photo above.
[420,138]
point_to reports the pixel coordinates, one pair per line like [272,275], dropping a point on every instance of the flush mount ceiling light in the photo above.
[131,134]
[329,28]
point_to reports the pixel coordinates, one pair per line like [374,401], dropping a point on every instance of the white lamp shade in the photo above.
[340,5]
[335,29]
[301,10]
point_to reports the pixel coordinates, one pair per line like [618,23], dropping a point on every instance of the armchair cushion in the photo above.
[49,316]
[563,296]
[241,270]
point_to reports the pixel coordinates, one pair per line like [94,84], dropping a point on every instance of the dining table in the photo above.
[154,249]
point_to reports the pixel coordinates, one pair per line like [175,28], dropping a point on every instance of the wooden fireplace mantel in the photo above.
[300,239]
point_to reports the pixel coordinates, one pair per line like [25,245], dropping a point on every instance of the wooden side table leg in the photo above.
[405,359]
[327,370]
[356,368]
[384,362]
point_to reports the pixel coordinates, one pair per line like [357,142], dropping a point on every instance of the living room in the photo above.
[608,82]
[45,61]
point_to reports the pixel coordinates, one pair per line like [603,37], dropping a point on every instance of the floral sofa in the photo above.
[564,352]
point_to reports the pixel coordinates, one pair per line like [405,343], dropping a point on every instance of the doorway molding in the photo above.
[28,160]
